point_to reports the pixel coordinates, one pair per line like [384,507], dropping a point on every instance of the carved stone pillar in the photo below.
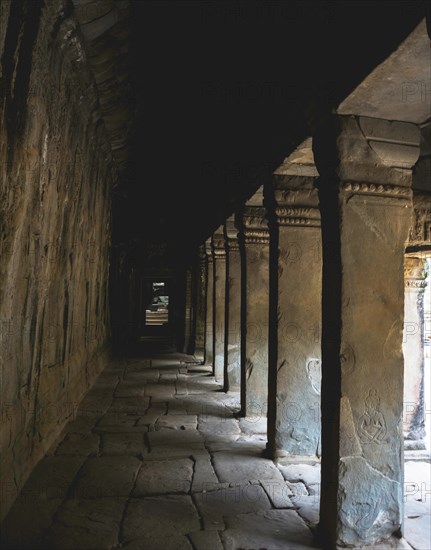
[295,310]
[200,305]
[232,380]
[255,322]
[366,206]
[209,311]
[219,252]
[413,349]
[188,313]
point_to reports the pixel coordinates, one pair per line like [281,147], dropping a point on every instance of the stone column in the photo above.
[413,349]
[188,311]
[255,322]
[209,312]
[219,252]
[366,207]
[200,304]
[295,311]
[233,303]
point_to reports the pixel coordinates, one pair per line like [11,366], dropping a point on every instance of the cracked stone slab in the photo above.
[206,540]
[107,476]
[130,405]
[237,468]
[52,477]
[306,473]
[308,508]
[141,376]
[177,422]
[204,474]
[80,444]
[158,392]
[123,444]
[164,476]
[160,522]
[272,529]
[279,493]
[86,524]
[174,437]
[129,389]
[119,422]
[213,506]
[218,427]
[253,425]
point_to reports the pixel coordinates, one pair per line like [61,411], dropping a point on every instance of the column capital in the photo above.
[231,234]
[415,272]
[209,250]
[218,244]
[368,156]
[292,197]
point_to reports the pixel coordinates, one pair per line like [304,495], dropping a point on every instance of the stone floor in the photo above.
[156,460]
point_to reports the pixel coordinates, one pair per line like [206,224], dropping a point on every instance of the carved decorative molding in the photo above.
[256,236]
[232,245]
[396,191]
[421,229]
[303,216]
[415,273]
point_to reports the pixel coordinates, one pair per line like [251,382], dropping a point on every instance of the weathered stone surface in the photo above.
[177,422]
[206,540]
[160,522]
[204,475]
[369,502]
[307,473]
[174,437]
[136,406]
[233,300]
[55,177]
[164,476]
[129,389]
[295,370]
[253,425]
[79,444]
[119,421]
[209,310]
[241,499]
[123,444]
[218,426]
[107,476]
[279,493]
[219,254]
[159,393]
[366,206]
[255,324]
[237,468]
[275,529]
[86,524]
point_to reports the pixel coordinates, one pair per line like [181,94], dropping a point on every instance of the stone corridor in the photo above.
[157,459]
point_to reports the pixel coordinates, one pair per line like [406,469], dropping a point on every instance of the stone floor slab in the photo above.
[86,525]
[107,476]
[272,529]
[241,499]
[123,444]
[158,521]
[240,467]
[177,422]
[79,444]
[206,540]
[164,476]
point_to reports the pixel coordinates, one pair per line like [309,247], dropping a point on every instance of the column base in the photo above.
[414,445]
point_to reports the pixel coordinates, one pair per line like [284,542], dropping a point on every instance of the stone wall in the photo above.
[56,173]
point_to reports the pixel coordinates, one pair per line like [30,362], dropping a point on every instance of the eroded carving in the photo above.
[372,424]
